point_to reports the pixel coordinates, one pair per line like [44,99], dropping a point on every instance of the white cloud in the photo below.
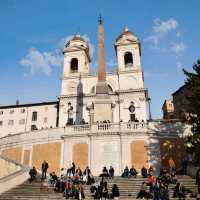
[160,29]
[178,47]
[154,39]
[164,26]
[36,61]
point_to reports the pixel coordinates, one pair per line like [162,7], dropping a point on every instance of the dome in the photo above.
[78,37]
[77,43]
[128,34]
[77,40]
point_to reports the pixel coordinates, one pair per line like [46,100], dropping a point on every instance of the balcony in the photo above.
[105,128]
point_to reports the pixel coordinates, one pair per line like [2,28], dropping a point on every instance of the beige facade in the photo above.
[28,117]
[168,109]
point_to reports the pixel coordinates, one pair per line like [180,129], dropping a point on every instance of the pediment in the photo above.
[75,48]
[127,40]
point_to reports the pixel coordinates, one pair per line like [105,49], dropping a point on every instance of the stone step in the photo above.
[129,187]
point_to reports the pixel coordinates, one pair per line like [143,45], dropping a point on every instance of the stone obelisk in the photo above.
[102,103]
[101,87]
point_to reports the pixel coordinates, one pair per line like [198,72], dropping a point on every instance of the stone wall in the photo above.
[51,152]
[13,153]
[139,154]
[80,155]
[26,160]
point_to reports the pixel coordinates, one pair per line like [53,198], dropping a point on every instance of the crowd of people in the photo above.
[157,188]
[71,180]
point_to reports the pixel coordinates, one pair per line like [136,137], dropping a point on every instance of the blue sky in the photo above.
[32,34]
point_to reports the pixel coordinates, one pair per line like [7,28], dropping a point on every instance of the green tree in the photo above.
[192,107]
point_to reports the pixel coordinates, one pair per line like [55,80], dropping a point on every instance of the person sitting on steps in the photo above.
[126,172]
[133,172]
[33,174]
[144,172]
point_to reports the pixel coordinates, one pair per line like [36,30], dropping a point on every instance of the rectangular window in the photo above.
[45,120]
[1,112]
[34,116]
[23,110]
[22,121]
[1,123]
[11,122]
[12,111]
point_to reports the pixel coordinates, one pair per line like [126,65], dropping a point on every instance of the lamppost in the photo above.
[149,102]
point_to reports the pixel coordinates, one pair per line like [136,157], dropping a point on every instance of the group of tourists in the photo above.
[157,188]
[107,173]
[132,172]
[71,181]
[100,190]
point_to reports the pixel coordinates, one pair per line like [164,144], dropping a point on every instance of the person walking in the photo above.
[45,167]
[172,166]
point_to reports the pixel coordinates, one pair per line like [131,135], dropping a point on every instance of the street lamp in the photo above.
[149,102]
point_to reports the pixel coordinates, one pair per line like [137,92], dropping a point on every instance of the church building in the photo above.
[100,119]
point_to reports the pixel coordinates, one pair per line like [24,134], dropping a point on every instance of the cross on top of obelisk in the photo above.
[100,20]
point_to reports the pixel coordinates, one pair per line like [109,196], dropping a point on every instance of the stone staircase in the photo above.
[189,184]
[129,187]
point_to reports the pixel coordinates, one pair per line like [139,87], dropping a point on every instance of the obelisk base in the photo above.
[102,89]
[103,110]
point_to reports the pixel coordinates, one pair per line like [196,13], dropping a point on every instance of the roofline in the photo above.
[29,105]
[179,89]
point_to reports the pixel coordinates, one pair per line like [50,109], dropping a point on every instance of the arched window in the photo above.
[74,65]
[128,59]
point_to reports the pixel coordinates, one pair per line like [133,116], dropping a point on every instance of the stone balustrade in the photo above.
[7,167]
[11,174]
[55,134]
[106,127]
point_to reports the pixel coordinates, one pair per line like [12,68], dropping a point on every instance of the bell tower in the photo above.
[128,51]
[76,57]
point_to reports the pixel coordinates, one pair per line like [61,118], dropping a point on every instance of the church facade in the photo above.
[99,119]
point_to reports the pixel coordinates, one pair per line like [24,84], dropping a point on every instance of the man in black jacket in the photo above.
[45,166]
[33,174]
